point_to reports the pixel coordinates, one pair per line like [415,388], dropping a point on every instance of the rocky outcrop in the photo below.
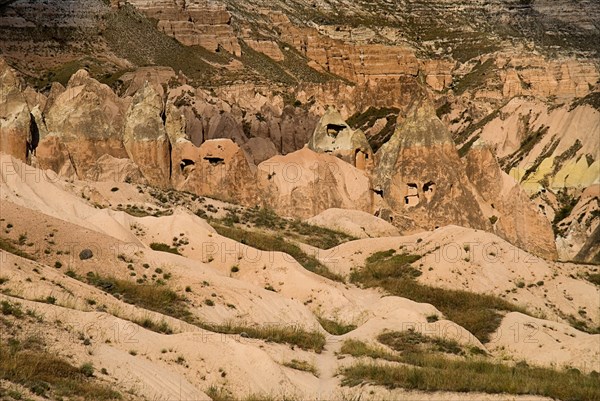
[421,177]
[333,135]
[145,137]
[544,147]
[356,62]
[579,232]
[219,168]
[195,23]
[513,215]
[259,150]
[540,77]
[108,168]
[18,132]
[303,184]
[86,120]
[438,73]
[269,48]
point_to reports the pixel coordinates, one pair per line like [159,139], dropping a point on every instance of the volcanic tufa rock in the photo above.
[304,183]
[259,149]
[84,122]
[18,134]
[220,169]
[145,137]
[108,168]
[422,178]
[333,135]
[513,215]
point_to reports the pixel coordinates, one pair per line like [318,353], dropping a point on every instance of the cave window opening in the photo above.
[186,163]
[360,159]
[429,190]
[412,195]
[215,161]
[334,129]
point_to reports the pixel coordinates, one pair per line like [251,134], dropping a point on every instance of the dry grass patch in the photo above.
[154,297]
[303,366]
[294,336]
[47,375]
[436,373]
[478,313]
[334,327]
[272,243]
[11,247]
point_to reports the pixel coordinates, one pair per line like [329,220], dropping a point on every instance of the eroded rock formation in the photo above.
[508,207]
[84,122]
[18,131]
[304,183]
[422,178]
[333,136]
[145,137]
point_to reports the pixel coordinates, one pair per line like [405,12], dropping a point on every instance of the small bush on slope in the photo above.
[334,327]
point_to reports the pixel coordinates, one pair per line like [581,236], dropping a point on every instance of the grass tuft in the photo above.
[334,327]
[156,246]
[303,366]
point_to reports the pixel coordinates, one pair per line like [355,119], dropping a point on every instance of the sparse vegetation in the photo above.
[303,366]
[295,336]
[267,219]
[148,296]
[478,313]
[359,349]
[162,327]
[163,248]
[11,309]
[437,373]
[411,341]
[271,243]
[47,375]
[334,327]
[10,247]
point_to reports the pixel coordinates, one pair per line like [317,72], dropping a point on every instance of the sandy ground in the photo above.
[58,223]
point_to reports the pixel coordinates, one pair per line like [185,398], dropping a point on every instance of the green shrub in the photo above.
[334,327]
[87,369]
[8,308]
[163,248]
[303,366]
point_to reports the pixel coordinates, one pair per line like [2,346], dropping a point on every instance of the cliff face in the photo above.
[193,23]
[263,73]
